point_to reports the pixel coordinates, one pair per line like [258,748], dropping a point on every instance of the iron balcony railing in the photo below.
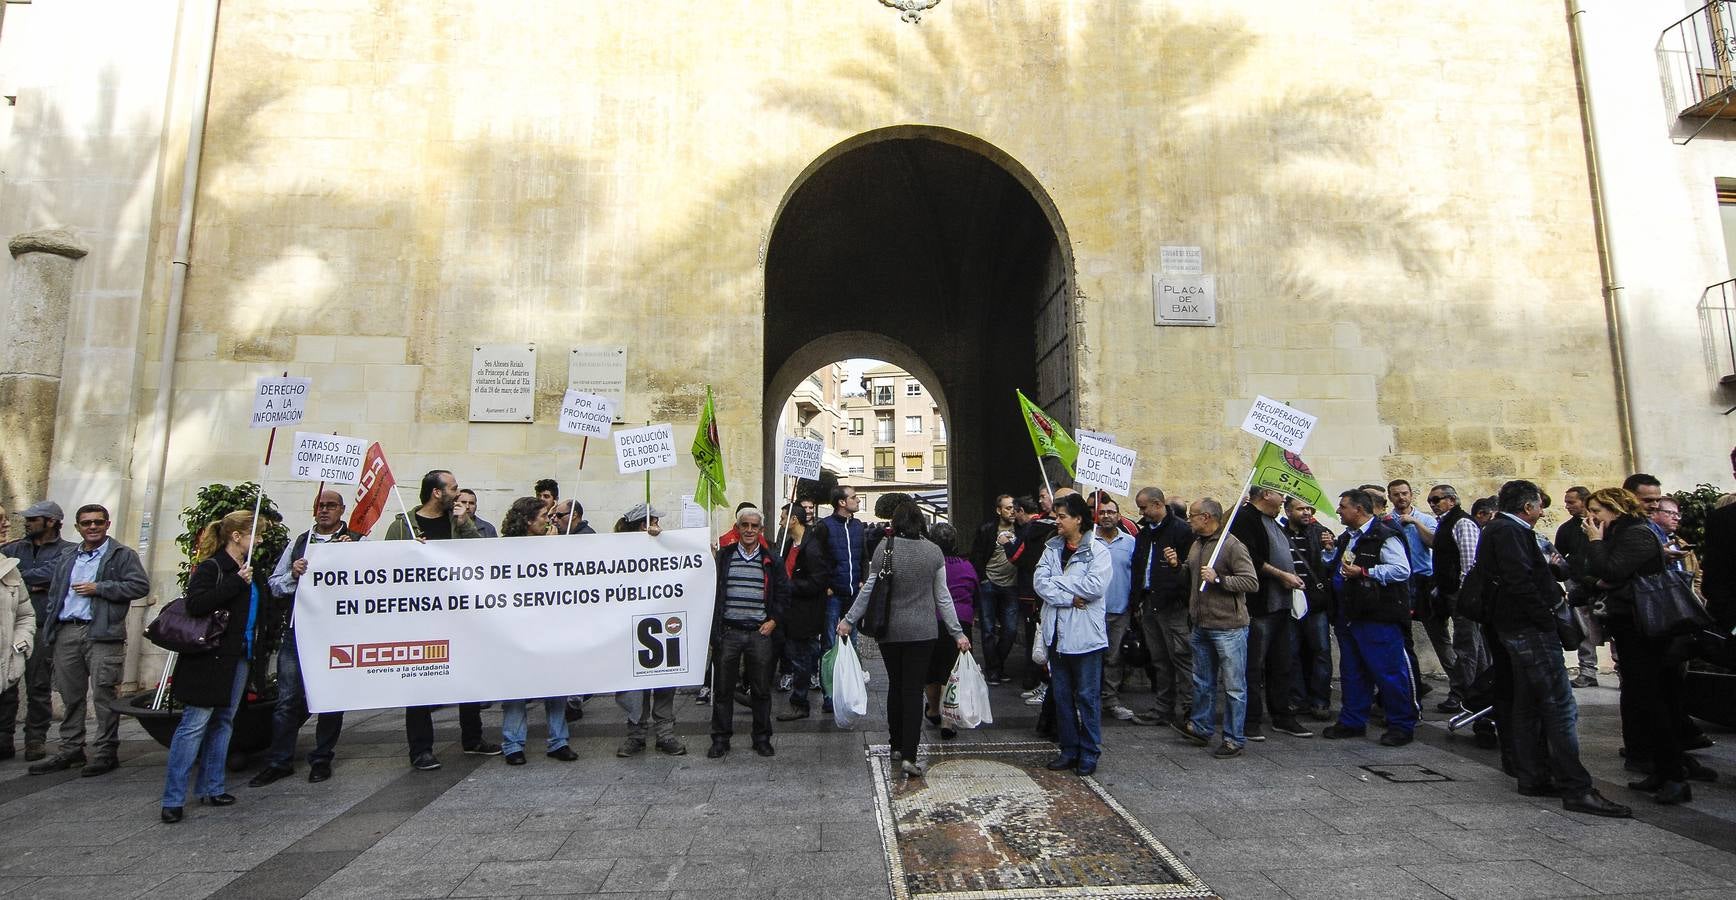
[1718,329]
[1697,56]
[883,473]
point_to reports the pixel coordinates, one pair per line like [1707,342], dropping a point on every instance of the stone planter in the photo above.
[252,729]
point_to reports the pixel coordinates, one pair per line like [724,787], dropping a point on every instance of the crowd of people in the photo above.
[1233,613]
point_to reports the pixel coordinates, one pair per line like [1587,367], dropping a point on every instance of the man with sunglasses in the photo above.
[291,710]
[86,624]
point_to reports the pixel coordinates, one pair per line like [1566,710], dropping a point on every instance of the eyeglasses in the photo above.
[93,523]
[1672,513]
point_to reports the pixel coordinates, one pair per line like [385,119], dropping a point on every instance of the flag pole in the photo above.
[408,524]
[259,496]
[1223,532]
[583,446]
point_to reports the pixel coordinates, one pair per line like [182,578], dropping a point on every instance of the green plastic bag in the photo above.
[827,659]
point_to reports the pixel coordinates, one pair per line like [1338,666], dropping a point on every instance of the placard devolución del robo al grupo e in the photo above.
[401,623]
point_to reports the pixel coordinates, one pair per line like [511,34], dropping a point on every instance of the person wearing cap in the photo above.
[85,624]
[657,704]
[752,595]
[38,552]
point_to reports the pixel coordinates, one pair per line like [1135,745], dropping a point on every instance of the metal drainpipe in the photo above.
[1615,305]
[152,530]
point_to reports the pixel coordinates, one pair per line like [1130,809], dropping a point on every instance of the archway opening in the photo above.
[939,254]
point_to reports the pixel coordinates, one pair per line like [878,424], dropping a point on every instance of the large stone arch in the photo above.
[936,251]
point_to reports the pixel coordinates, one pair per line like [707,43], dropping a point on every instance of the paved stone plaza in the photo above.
[1292,818]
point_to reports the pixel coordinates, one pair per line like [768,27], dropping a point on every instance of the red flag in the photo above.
[372,491]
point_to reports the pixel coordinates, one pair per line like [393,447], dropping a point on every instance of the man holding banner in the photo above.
[291,710]
[433,521]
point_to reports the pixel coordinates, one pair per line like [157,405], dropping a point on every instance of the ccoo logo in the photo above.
[659,644]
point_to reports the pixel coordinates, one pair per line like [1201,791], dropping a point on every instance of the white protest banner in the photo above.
[1282,425]
[643,449]
[801,457]
[403,623]
[280,402]
[1105,465]
[1103,436]
[587,414]
[327,457]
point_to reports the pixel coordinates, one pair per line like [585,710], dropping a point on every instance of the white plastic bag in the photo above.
[966,702]
[849,685]
[1298,604]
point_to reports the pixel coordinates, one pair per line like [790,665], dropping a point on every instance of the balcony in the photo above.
[809,397]
[884,473]
[1718,330]
[939,473]
[883,434]
[880,396]
[1697,58]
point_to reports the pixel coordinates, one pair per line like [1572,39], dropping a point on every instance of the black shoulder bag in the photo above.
[877,618]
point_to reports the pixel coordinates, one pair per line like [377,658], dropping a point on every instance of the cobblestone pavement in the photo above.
[1292,818]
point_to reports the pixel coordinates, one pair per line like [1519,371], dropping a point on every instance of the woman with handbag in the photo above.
[529,517]
[209,685]
[1619,550]
[909,575]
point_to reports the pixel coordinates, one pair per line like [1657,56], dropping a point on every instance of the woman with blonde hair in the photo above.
[209,685]
[1620,548]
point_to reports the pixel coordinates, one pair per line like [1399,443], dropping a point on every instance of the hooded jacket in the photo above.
[1065,627]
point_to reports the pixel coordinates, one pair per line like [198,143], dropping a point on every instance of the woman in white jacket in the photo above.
[1070,581]
[18,629]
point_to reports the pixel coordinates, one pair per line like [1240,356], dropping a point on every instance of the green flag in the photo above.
[1280,470]
[1047,435]
[708,456]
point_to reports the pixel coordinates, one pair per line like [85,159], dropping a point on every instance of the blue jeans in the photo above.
[202,736]
[1543,705]
[1312,640]
[804,657]
[291,713]
[1076,683]
[1221,658]
[1371,655]
[998,613]
[515,725]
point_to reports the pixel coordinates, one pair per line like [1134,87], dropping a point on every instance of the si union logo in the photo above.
[659,644]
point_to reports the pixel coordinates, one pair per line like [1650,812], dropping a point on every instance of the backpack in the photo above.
[1476,597]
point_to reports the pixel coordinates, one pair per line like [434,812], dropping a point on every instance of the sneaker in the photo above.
[1227,750]
[1187,730]
[1036,699]
[630,747]
[1253,733]
[483,748]
[1150,719]
[814,682]
[425,762]
[671,747]
[1032,692]
[1451,706]
[1121,712]
[1584,681]
[1291,727]
[703,698]
[786,682]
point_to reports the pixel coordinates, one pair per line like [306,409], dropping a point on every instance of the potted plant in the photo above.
[252,728]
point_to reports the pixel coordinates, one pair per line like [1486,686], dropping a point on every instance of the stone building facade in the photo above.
[1394,201]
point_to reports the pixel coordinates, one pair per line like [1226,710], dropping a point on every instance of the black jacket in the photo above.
[36,563]
[1250,528]
[1525,590]
[1364,599]
[1026,551]
[1718,566]
[1629,548]
[777,586]
[809,583]
[206,679]
[1158,585]
[983,548]
[1448,554]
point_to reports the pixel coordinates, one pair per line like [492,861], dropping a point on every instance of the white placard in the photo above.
[601,371]
[280,402]
[1103,436]
[587,414]
[1282,425]
[692,514]
[1105,465]
[643,449]
[503,383]
[801,457]
[1178,260]
[1185,299]
[331,458]
[402,623]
